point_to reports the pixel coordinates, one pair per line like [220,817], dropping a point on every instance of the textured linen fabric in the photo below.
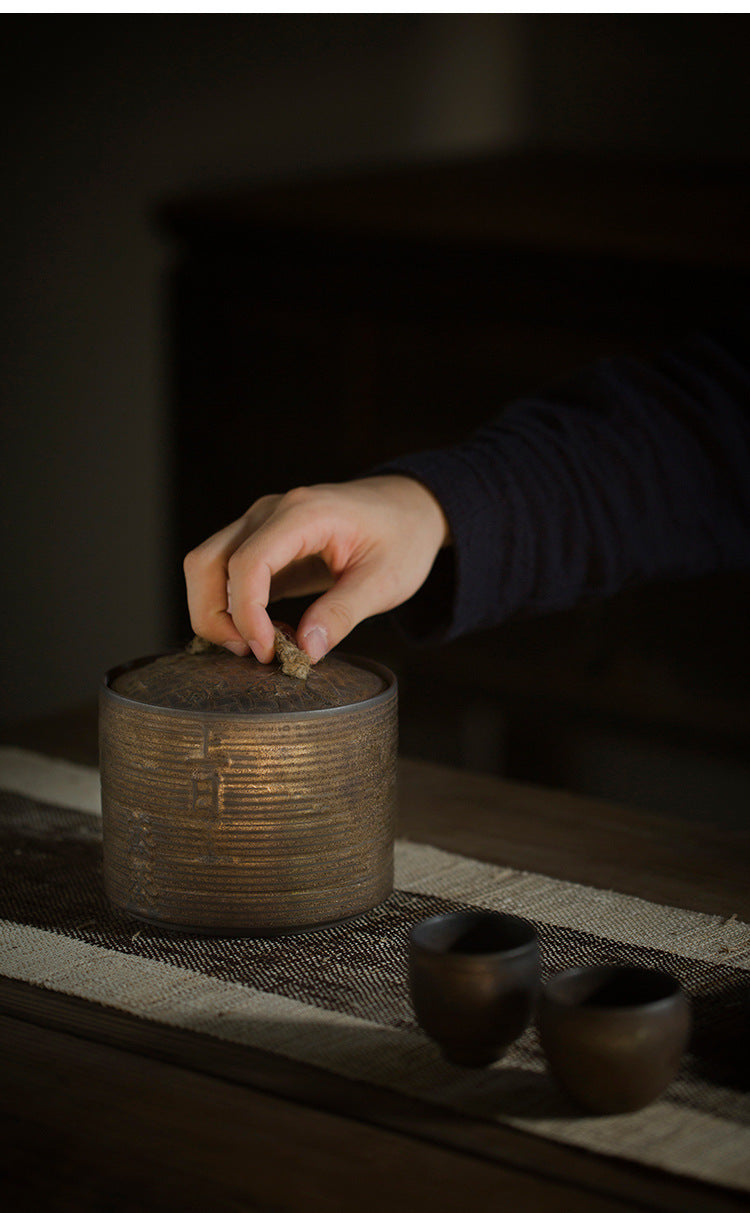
[627,473]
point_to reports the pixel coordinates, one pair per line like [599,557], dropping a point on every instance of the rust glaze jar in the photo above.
[239,800]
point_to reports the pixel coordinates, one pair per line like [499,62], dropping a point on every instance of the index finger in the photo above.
[205,569]
[282,540]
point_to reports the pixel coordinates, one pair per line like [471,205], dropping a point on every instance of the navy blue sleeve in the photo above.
[627,473]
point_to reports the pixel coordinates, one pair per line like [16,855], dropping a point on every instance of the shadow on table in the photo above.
[396,1060]
[720,1047]
[518,1088]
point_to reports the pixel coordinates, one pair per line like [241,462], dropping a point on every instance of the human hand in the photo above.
[368,545]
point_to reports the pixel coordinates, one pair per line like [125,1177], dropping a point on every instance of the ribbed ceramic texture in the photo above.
[248,824]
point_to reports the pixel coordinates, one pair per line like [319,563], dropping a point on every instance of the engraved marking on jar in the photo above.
[207,791]
[140,848]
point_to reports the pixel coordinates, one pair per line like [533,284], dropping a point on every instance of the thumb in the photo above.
[355,596]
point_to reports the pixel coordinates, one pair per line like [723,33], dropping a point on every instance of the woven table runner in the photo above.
[338,998]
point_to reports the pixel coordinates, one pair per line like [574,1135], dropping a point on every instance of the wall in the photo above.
[663,84]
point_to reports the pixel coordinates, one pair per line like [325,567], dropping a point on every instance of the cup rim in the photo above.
[423,935]
[575,979]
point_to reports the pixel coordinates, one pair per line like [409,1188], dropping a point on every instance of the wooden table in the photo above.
[99,1111]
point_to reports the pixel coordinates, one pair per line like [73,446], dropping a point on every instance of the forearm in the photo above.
[626,473]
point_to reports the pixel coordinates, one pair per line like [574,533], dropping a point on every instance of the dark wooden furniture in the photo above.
[319,326]
[100,1111]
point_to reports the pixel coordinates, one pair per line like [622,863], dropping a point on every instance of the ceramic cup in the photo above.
[614,1035]
[474,980]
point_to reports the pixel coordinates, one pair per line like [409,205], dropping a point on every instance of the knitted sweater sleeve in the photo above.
[627,473]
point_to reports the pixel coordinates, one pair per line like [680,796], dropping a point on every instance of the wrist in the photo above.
[420,503]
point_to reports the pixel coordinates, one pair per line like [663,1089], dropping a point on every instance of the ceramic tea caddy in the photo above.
[239,800]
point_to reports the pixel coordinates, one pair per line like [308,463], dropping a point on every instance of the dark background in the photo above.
[131,311]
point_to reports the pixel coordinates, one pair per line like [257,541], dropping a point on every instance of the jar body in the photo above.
[248,824]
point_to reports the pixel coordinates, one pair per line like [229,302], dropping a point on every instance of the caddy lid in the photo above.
[217,681]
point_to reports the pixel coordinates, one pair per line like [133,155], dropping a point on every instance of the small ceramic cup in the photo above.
[474,979]
[614,1035]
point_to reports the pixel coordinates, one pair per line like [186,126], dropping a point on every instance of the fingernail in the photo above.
[238,647]
[259,654]
[315,643]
